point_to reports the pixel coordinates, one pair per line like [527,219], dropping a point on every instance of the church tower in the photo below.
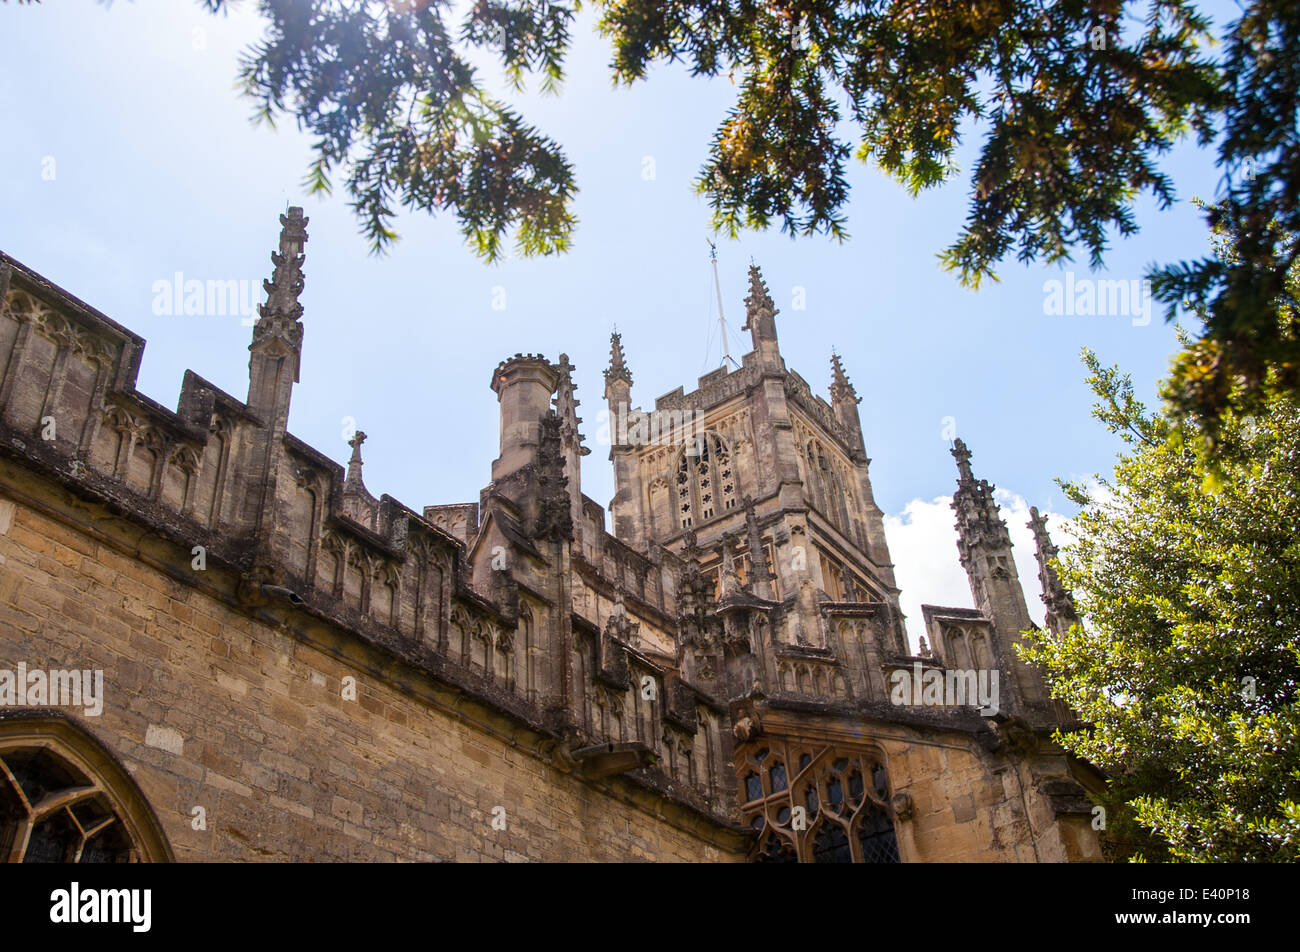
[762,488]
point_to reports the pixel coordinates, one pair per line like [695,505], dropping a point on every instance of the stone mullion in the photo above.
[341,555]
[442,603]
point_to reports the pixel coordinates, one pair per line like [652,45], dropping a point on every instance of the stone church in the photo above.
[218,644]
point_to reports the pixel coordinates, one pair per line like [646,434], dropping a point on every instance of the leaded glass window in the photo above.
[834,808]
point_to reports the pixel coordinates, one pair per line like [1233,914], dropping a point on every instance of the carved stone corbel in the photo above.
[903,805]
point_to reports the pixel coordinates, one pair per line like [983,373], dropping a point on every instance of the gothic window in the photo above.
[705,481]
[63,799]
[835,808]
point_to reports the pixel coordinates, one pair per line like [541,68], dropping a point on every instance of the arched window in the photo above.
[705,482]
[834,809]
[65,799]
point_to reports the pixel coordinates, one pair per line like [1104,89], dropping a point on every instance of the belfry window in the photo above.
[705,481]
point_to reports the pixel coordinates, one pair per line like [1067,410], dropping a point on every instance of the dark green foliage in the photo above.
[1186,569]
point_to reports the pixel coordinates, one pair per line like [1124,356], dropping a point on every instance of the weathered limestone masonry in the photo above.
[294,669]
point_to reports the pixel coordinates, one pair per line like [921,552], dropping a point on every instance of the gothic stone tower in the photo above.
[758,493]
[763,490]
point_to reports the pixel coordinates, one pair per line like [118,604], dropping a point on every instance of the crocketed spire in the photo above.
[1061,613]
[758,295]
[617,363]
[276,350]
[280,314]
[760,315]
[841,388]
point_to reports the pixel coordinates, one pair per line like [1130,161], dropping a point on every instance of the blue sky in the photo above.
[157,170]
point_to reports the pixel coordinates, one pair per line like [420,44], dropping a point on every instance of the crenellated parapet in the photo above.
[714,388]
[800,393]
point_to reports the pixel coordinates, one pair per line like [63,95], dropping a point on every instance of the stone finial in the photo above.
[353,481]
[617,362]
[566,407]
[554,521]
[730,577]
[358,504]
[760,312]
[1061,612]
[690,546]
[280,314]
[758,569]
[1038,524]
[758,294]
[979,523]
[962,455]
[841,388]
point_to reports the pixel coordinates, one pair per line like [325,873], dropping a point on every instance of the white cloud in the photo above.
[923,544]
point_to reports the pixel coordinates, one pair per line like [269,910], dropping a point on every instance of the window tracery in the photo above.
[833,808]
[57,807]
[705,481]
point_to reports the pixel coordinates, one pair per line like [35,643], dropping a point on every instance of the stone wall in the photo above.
[208,706]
